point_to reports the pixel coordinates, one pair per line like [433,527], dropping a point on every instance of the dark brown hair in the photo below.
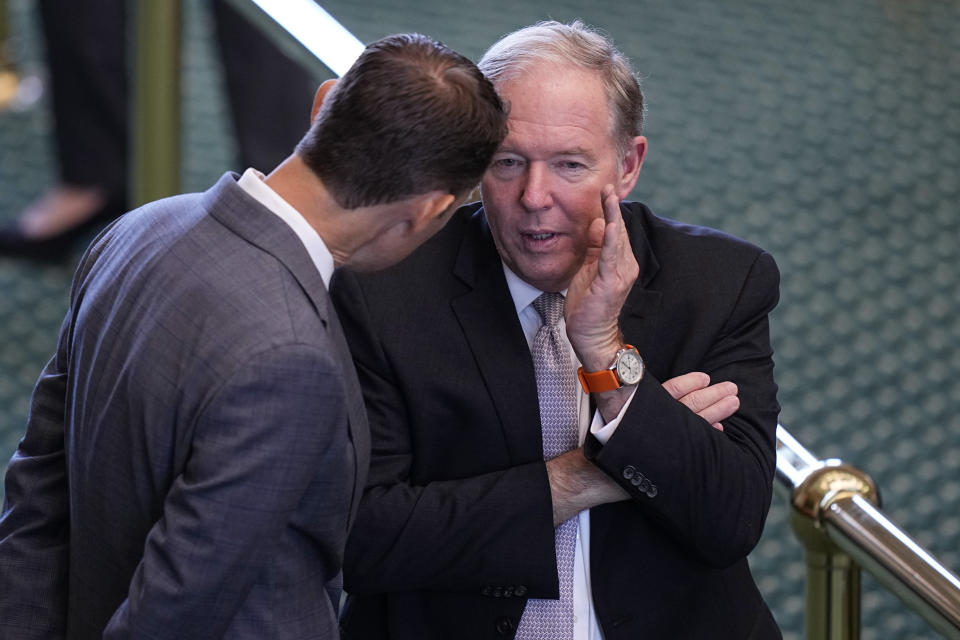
[410,116]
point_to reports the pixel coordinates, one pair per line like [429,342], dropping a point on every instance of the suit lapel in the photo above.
[640,315]
[489,321]
[249,219]
[638,322]
[356,411]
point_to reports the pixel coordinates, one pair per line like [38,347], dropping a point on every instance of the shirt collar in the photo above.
[252,182]
[522,292]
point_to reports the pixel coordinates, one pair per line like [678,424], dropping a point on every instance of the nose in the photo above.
[536,188]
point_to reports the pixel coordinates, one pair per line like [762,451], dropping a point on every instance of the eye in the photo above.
[506,167]
[572,165]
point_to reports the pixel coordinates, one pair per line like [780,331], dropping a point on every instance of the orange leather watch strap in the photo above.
[598,381]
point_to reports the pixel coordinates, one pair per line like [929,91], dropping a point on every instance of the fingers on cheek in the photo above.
[610,201]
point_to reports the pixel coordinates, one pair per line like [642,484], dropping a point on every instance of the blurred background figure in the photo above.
[87,52]
[9,77]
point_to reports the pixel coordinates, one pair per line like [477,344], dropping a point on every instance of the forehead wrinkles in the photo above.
[542,138]
[548,89]
[559,105]
[537,138]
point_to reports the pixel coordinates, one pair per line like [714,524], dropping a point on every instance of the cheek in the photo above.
[587,199]
[499,210]
[500,229]
[496,191]
[582,208]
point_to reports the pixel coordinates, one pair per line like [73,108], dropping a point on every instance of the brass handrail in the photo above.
[304,31]
[835,514]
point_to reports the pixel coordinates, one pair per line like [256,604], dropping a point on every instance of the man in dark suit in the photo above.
[197,447]
[456,532]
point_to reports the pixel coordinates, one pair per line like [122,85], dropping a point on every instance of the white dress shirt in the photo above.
[252,182]
[585,625]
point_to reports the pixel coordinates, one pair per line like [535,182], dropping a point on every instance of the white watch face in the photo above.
[630,367]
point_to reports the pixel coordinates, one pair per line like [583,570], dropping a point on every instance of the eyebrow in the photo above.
[576,151]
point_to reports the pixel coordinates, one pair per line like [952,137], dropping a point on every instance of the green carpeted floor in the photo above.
[828,133]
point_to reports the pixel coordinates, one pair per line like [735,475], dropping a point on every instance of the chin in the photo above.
[547,283]
[549,280]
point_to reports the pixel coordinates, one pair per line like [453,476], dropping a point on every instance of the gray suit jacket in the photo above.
[196,448]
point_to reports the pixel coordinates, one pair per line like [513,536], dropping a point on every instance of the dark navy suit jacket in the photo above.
[196,448]
[455,528]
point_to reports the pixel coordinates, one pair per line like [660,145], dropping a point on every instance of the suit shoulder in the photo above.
[672,240]
[194,271]
[666,230]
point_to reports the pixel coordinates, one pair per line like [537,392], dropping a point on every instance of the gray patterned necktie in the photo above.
[557,393]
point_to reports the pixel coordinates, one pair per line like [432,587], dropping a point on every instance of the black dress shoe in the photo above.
[54,248]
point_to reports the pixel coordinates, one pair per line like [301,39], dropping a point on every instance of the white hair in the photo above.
[581,46]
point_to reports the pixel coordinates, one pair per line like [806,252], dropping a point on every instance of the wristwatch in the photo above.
[627,368]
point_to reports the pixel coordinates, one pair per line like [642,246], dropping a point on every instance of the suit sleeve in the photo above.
[262,441]
[35,526]
[711,489]
[463,534]
[35,523]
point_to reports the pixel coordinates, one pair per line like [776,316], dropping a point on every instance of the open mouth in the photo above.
[544,241]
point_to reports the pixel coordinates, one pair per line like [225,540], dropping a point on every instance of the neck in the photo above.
[296,183]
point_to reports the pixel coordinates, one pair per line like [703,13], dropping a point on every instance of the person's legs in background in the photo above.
[87,55]
[269,94]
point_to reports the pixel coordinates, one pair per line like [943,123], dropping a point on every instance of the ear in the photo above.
[430,206]
[630,166]
[320,95]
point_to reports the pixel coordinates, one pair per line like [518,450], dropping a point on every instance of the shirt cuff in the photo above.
[603,432]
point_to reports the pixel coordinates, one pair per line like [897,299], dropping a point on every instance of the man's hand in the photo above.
[597,294]
[577,484]
[598,290]
[712,402]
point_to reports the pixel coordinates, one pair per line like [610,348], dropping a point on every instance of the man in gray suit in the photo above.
[197,447]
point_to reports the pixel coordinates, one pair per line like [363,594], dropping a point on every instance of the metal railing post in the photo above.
[835,515]
[156,104]
[833,579]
